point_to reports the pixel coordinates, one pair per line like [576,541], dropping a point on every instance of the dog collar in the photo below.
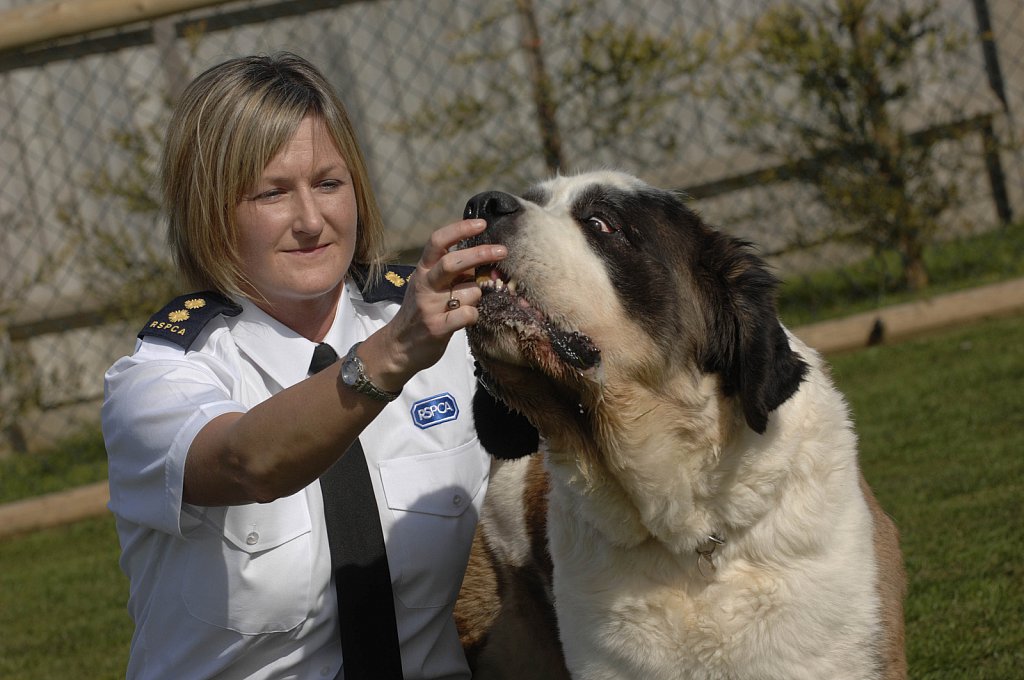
[705,554]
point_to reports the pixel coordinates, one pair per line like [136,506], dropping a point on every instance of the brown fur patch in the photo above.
[535,500]
[504,613]
[892,588]
[479,602]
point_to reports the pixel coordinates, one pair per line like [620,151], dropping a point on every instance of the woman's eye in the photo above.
[267,195]
[330,184]
[599,224]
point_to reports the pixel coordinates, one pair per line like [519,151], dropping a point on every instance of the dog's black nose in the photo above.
[489,205]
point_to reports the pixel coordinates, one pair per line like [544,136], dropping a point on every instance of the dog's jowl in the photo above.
[695,508]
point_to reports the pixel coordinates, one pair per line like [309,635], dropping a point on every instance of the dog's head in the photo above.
[611,282]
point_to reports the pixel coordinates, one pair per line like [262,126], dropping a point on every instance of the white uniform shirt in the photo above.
[246,591]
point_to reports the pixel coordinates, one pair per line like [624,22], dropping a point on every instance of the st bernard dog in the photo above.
[696,509]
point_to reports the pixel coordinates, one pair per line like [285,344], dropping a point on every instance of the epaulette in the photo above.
[181,320]
[390,286]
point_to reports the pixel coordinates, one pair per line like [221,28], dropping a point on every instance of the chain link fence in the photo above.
[792,123]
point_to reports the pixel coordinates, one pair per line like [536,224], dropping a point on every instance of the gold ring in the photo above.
[453,303]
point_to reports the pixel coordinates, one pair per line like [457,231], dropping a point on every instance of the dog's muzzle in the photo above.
[491,205]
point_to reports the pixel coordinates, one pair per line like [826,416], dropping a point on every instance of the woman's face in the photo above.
[297,226]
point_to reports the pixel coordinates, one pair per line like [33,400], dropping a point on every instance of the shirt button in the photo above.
[457,500]
[252,538]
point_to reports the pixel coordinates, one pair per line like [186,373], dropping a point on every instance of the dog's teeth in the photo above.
[499,285]
[512,285]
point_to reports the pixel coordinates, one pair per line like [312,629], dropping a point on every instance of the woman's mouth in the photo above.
[312,250]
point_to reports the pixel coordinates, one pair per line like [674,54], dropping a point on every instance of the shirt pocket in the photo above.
[250,567]
[434,500]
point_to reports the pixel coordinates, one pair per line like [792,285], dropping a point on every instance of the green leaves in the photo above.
[836,91]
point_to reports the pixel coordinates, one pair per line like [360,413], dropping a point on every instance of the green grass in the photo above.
[79,459]
[62,604]
[941,425]
[991,257]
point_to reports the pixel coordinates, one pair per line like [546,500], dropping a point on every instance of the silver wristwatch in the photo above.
[353,374]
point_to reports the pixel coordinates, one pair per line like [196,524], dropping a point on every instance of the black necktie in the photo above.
[366,611]
[323,356]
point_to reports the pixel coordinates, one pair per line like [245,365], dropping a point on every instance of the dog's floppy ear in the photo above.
[504,433]
[769,371]
[752,352]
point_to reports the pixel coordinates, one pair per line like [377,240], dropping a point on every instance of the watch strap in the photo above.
[362,382]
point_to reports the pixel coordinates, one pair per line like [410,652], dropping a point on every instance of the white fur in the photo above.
[792,597]
[505,520]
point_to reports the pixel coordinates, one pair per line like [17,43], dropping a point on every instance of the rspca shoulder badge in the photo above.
[440,408]
[183,317]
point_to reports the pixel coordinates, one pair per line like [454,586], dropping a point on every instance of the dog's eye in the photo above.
[599,224]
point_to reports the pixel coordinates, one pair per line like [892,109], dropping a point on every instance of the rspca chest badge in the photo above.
[440,408]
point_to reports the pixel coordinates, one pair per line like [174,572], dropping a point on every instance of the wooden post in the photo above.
[42,21]
[543,89]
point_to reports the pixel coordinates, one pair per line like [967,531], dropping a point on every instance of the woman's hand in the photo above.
[418,335]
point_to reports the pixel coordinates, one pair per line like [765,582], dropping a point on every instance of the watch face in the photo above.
[350,372]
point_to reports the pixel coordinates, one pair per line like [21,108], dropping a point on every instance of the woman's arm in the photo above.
[285,443]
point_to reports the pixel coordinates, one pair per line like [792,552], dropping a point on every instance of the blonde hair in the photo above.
[227,125]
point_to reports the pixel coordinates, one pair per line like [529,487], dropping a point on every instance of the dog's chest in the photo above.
[641,613]
[624,615]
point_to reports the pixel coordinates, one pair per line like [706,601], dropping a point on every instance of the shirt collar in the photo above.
[277,350]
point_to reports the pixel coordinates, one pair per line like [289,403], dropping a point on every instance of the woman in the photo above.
[218,432]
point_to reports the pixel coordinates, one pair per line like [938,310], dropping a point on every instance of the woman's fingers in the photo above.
[463,295]
[466,292]
[443,267]
[442,240]
[441,299]
[446,292]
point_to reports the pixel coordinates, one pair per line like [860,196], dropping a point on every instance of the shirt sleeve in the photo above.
[155,403]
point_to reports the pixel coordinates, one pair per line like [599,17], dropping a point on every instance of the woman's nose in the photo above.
[309,218]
